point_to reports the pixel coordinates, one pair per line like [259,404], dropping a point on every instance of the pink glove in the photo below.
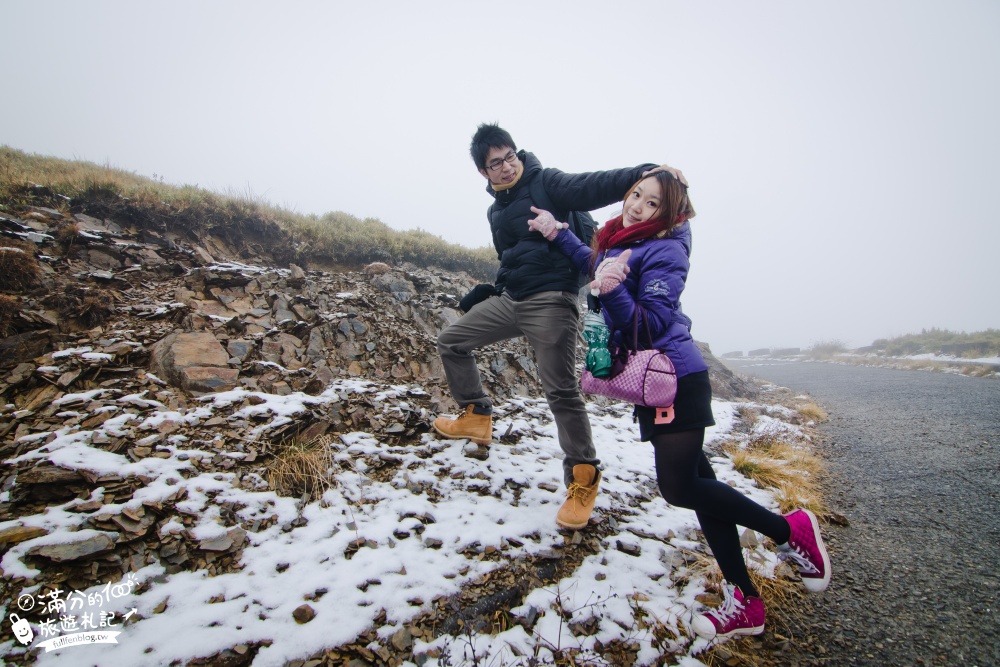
[545,224]
[610,273]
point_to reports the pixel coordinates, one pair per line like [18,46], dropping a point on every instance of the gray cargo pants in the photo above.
[551,323]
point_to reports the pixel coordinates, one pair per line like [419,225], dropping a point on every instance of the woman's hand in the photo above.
[610,273]
[676,173]
[545,224]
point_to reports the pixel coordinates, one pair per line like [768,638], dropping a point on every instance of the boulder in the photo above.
[194,361]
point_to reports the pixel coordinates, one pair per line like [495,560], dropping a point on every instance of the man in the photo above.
[535,296]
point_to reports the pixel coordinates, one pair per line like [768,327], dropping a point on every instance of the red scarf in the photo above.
[614,233]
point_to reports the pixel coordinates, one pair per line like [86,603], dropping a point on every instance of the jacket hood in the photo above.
[682,233]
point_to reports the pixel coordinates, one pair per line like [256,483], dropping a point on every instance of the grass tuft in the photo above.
[773,462]
[90,307]
[18,269]
[812,412]
[826,349]
[10,306]
[66,235]
[302,469]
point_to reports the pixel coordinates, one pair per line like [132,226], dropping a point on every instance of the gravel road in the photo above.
[913,462]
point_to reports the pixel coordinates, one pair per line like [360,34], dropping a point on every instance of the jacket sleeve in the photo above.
[655,283]
[590,190]
[578,252]
[493,231]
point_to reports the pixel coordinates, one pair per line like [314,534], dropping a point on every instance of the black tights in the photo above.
[686,479]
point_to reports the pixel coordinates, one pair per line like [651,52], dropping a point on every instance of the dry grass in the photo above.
[334,238]
[18,269]
[826,349]
[10,306]
[302,469]
[96,309]
[969,345]
[746,418]
[90,307]
[773,462]
[812,412]
[66,235]
[978,371]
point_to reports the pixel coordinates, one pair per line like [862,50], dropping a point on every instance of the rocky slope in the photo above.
[125,318]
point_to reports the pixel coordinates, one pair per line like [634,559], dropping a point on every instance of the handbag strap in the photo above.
[638,314]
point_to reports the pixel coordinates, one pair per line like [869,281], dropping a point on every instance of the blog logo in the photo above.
[22,629]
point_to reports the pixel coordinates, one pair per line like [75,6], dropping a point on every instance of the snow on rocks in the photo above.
[138,445]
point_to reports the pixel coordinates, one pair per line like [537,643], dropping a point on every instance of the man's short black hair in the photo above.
[487,136]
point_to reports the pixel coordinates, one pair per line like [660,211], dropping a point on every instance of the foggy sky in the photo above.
[843,157]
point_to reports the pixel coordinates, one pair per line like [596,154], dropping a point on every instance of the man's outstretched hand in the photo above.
[677,173]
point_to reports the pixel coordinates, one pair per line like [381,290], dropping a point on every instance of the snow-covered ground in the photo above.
[950,359]
[416,545]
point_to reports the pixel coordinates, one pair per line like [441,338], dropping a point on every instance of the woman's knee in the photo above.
[675,494]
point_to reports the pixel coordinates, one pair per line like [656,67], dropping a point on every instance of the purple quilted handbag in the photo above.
[647,377]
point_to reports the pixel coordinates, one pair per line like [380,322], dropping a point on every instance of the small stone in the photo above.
[401,640]
[304,614]
[749,539]
[630,549]
[478,452]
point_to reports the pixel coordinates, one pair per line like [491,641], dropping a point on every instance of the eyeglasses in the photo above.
[497,163]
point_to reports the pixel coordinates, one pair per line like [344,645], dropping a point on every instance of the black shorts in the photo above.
[692,408]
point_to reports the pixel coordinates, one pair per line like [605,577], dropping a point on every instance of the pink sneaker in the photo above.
[806,550]
[736,616]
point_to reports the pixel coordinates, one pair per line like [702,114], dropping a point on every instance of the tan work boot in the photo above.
[580,498]
[477,428]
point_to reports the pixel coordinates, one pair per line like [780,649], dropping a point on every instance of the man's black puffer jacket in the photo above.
[529,263]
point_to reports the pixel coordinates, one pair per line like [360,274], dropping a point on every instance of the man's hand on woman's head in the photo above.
[677,173]
[610,273]
[545,224]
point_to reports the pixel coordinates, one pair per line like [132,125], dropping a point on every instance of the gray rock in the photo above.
[233,539]
[20,533]
[202,256]
[85,543]
[193,361]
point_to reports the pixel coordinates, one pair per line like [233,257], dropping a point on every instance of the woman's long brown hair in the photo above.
[675,205]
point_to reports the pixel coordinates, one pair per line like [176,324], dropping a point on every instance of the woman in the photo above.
[642,264]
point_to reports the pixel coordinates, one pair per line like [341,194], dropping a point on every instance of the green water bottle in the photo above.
[596,333]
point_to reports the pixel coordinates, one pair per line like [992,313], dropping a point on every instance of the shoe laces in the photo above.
[729,609]
[579,491]
[801,561]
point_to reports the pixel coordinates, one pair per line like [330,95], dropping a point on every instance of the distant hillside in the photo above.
[940,341]
[932,349]
[246,226]
[975,345]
